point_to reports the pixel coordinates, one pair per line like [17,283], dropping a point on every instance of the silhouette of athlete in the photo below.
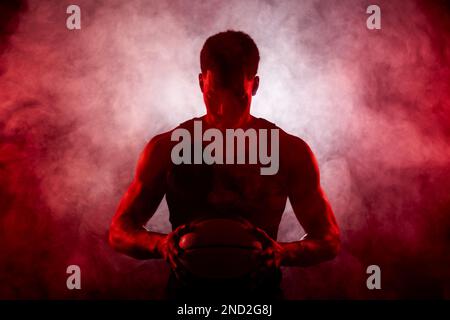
[228,80]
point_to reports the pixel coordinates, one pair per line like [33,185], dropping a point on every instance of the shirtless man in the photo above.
[229,62]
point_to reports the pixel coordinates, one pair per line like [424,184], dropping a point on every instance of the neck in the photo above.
[243,123]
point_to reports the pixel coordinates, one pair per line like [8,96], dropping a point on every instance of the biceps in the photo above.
[314,213]
[138,204]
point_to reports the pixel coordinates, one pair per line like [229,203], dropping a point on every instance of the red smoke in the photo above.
[76,108]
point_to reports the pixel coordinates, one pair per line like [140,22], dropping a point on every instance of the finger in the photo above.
[269,251]
[176,251]
[245,222]
[270,263]
[181,229]
[171,253]
[172,248]
[186,228]
[180,232]
[177,262]
[266,253]
[174,244]
[178,268]
[263,254]
[176,234]
[265,239]
[269,259]
[170,257]
[262,233]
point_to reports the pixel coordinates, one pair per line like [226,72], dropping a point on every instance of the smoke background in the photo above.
[77,107]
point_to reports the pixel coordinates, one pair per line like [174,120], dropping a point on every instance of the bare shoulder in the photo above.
[295,148]
[298,161]
[297,143]
[289,142]
[296,156]
[159,142]
[157,146]
[155,157]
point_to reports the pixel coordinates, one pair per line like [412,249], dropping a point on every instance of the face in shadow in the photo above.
[227,97]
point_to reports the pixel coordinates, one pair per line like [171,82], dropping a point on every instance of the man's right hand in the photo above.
[170,250]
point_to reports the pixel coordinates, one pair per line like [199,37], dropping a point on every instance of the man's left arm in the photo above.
[312,209]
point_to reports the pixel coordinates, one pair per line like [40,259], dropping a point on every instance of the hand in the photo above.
[269,257]
[272,252]
[171,252]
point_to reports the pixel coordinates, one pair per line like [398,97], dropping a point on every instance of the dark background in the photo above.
[77,107]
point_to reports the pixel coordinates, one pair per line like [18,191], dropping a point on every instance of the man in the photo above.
[229,63]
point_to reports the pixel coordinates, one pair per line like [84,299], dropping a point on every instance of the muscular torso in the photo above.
[196,191]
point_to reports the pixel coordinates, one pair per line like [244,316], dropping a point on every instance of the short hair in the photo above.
[229,52]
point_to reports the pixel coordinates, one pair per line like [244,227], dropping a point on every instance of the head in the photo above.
[229,63]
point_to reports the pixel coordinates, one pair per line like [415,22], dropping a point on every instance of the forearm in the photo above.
[309,252]
[138,243]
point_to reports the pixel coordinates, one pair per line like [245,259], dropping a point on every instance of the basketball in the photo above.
[219,248]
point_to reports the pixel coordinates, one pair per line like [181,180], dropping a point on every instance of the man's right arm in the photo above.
[127,232]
